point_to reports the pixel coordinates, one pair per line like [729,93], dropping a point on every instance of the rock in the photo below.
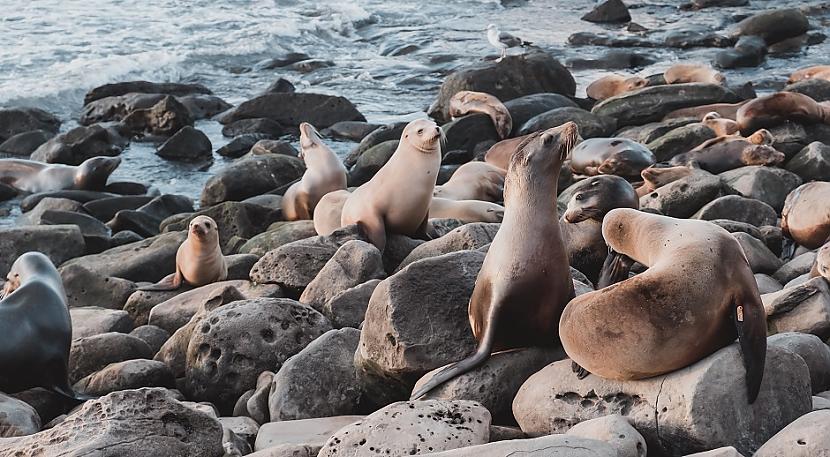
[512,77]
[262,126]
[815,88]
[410,330]
[265,147]
[806,436]
[130,374]
[141,302]
[466,132]
[766,284]
[699,407]
[291,108]
[58,242]
[243,427]
[370,161]
[737,208]
[682,198]
[152,335]
[203,106]
[251,176]
[350,130]
[85,288]
[812,163]
[467,237]
[241,145]
[381,134]
[652,103]
[803,308]
[590,125]
[239,265]
[311,433]
[79,196]
[354,263]
[608,11]
[612,59]
[236,342]
[774,25]
[523,108]
[77,145]
[17,418]
[48,203]
[420,427]
[123,88]
[749,51]
[278,234]
[280,85]
[795,267]
[25,143]
[545,446]
[96,235]
[163,119]
[7,192]
[679,140]
[727,451]
[93,353]
[20,120]
[616,430]
[116,107]
[187,145]
[348,308]
[106,208]
[761,260]
[132,423]
[254,403]
[494,383]
[652,131]
[815,353]
[92,320]
[770,185]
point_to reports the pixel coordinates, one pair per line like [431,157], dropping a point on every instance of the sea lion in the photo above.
[36,328]
[760,137]
[611,156]
[696,296]
[719,124]
[815,72]
[466,102]
[328,211]
[727,155]
[465,210]
[34,177]
[324,173]
[499,154]
[657,177]
[473,181]
[806,214]
[692,73]
[775,109]
[199,260]
[821,266]
[397,198]
[613,85]
[726,111]
[581,224]
[525,280]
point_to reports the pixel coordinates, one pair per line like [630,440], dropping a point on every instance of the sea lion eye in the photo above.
[548,140]
[579,197]
[420,131]
[207,224]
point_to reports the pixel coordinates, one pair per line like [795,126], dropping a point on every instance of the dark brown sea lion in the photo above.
[611,156]
[775,109]
[696,296]
[525,280]
[730,152]
[32,176]
[806,214]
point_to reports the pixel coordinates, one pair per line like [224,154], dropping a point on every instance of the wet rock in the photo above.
[608,11]
[104,209]
[774,25]
[727,451]
[152,335]
[350,130]
[130,374]
[684,197]
[291,108]
[812,163]
[760,259]
[236,342]
[652,131]
[23,144]
[420,427]
[163,119]
[611,40]
[766,284]
[370,161]
[699,407]
[132,423]
[17,418]
[241,145]
[146,87]
[251,176]
[381,134]
[187,145]
[348,308]
[262,126]
[694,37]
[749,51]
[20,120]
[616,430]
[513,77]
[679,140]
[802,308]
[243,220]
[545,446]
[590,125]
[96,234]
[306,433]
[58,242]
[700,4]
[204,106]
[7,192]
[467,237]
[278,234]
[92,320]
[806,436]
[280,85]
[77,145]
[466,132]
[80,196]
[789,138]
[737,208]
[523,108]
[770,185]
[93,353]
[265,147]
[815,88]
[613,59]
[795,267]
[815,353]
[254,403]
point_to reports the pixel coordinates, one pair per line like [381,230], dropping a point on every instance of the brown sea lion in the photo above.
[821,266]
[726,110]
[473,181]
[760,137]
[499,154]
[466,102]
[328,211]
[199,260]
[775,109]
[611,156]
[657,177]
[727,155]
[613,85]
[692,73]
[397,198]
[806,214]
[815,72]
[34,177]
[525,280]
[324,173]
[696,296]
[36,328]
[719,124]
[465,210]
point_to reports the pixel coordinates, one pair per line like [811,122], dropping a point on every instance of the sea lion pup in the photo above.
[815,72]
[611,156]
[613,85]
[692,73]
[36,328]
[726,111]
[727,155]
[466,102]
[720,125]
[473,181]
[581,224]
[775,109]
[465,210]
[32,176]
[657,177]
[696,296]
[525,280]
[328,211]
[499,154]
[324,173]
[821,266]
[806,214]
[199,260]
[397,198]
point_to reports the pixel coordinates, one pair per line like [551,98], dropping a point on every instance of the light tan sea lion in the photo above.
[474,181]
[775,109]
[465,210]
[806,214]
[821,266]
[397,198]
[467,102]
[613,85]
[525,280]
[720,125]
[726,110]
[696,296]
[499,154]
[611,156]
[815,72]
[655,178]
[324,173]
[328,211]
[199,260]
[34,177]
[692,73]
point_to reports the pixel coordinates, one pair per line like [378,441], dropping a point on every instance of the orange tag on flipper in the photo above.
[740,312]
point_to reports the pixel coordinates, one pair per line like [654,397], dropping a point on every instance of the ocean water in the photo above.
[389,57]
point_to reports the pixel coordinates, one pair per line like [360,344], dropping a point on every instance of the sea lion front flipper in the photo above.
[614,269]
[751,326]
[788,249]
[581,373]
[170,282]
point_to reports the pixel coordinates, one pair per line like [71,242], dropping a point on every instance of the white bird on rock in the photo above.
[503,40]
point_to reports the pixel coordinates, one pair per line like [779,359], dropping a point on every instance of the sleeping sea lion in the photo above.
[473,181]
[611,156]
[815,72]
[719,124]
[657,177]
[775,109]
[466,102]
[692,73]
[612,85]
[728,154]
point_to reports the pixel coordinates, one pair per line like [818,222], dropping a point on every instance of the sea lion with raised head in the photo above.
[36,328]
[397,198]
[815,72]
[465,210]
[727,155]
[697,295]
[719,124]
[806,214]
[324,173]
[611,156]
[525,280]
[682,73]
[821,266]
[199,260]
[657,177]
[473,181]
[32,176]
[612,85]
[328,211]
[466,102]
[775,109]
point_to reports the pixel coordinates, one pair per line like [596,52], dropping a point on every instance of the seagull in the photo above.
[503,40]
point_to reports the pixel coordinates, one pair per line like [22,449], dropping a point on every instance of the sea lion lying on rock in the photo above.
[613,85]
[719,124]
[692,73]
[815,72]
[729,152]
[775,109]
[466,102]
[657,177]
[611,156]
[473,181]
[34,177]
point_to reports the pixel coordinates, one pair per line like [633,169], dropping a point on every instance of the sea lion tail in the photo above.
[751,326]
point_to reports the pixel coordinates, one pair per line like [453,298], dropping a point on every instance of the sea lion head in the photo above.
[711,116]
[658,177]
[761,154]
[627,162]
[822,263]
[309,138]
[595,196]
[93,173]
[547,149]
[634,83]
[204,229]
[25,266]
[761,137]
[423,135]
[618,225]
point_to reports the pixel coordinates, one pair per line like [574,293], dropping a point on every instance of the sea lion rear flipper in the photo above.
[170,282]
[67,392]
[614,269]
[751,327]
[581,373]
